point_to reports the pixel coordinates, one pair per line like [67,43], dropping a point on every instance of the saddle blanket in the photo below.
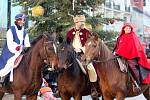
[18,60]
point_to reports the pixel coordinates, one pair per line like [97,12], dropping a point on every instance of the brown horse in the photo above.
[113,82]
[28,76]
[72,82]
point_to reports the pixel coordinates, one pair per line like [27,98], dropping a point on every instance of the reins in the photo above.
[46,55]
[46,52]
[105,60]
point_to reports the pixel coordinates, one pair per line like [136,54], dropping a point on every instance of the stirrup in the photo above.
[2,79]
[136,87]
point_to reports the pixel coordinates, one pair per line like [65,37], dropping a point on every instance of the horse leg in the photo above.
[17,96]
[77,97]
[65,97]
[120,96]
[147,94]
[107,97]
[32,97]
[1,95]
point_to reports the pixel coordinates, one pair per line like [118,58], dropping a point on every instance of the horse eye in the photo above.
[94,45]
[62,49]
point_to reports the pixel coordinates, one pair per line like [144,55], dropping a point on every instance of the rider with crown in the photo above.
[78,35]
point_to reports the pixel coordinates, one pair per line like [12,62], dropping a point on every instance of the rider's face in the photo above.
[79,24]
[127,29]
[20,22]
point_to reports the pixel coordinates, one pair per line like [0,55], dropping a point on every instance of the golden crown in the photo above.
[79,18]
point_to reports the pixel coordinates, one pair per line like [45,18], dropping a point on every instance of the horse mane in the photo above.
[34,41]
[51,37]
[66,44]
[105,49]
[106,54]
[71,54]
[28,51]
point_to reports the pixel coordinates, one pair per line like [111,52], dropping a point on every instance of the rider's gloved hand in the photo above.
[17,48]
[25,49]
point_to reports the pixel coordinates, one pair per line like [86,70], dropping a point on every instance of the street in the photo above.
[10,97]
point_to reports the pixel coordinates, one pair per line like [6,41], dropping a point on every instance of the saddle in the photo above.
[5,79]
[81,67]
[124,67]
[18,60]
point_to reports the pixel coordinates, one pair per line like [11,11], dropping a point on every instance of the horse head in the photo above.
[48,51]
[66,55]
[92,46]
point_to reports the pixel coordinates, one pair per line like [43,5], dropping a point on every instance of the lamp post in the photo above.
[26,13]
[9,14]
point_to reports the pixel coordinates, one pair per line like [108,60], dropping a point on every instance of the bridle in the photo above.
[68,61]
[103,60]
[46,53]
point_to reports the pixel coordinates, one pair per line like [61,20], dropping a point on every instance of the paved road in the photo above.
[140,97]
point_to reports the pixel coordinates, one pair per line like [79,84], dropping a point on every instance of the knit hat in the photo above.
[20,16]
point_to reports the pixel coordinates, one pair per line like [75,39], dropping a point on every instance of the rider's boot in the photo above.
[2,78]
[135,71]
[94,93]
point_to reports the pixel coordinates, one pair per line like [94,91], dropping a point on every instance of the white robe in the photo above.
[12,48]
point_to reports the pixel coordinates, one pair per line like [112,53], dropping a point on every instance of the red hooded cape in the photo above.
[128,46]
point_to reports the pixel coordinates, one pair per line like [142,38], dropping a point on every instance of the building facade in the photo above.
[146,21]
[7,15]
[132,11]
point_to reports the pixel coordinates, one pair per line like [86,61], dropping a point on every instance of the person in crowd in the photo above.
[147,51]
[128,47]
[46,91]
[50,77]
[77,36]
[17,40]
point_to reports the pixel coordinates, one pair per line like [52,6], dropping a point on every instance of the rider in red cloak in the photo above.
[129,47]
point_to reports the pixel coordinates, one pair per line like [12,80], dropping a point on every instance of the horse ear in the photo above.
[60,39]
[45,36]
[96,36]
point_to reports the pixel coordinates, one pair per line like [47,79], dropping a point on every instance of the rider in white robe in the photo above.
[16,40]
